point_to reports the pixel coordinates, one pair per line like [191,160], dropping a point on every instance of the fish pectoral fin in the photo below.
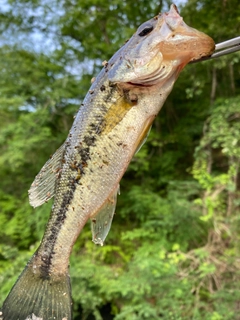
[43,186]
[143,140]
[102,221]
[144,134]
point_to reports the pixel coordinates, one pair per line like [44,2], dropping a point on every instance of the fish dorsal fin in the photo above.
[101,222]
[43,186]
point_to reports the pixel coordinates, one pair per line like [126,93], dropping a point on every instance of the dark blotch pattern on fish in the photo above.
[84,154]
[89,140]
[98,126]
[60,217]
[110,93]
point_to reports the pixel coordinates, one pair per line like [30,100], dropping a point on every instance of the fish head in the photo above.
[160,48]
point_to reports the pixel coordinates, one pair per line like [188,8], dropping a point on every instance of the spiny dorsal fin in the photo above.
[43,186]
[101,222]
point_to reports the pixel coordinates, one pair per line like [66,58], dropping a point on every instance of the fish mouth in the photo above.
[182,41]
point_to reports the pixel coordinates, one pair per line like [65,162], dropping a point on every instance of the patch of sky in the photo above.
[38,31]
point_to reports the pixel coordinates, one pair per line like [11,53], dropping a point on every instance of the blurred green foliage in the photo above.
[173,250]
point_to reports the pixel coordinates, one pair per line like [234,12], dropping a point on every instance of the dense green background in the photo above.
[173,251]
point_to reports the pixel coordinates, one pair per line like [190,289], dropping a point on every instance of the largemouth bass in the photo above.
[84,173]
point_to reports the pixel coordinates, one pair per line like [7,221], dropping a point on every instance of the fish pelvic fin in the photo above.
[34,297]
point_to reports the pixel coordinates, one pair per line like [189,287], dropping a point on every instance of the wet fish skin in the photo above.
[85,172]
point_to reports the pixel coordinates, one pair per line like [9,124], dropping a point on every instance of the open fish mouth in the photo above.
[183,40]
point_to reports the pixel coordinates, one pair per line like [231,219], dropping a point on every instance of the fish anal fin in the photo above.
[43,186]
[102,221]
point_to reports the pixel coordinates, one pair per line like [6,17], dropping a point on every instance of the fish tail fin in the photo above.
[37,297]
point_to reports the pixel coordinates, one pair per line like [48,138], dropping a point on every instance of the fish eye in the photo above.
[146,30]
